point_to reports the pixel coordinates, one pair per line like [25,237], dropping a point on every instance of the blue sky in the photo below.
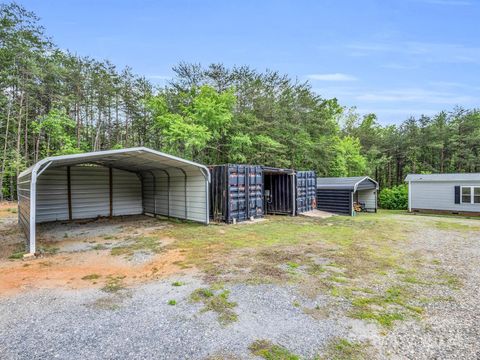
[396,58]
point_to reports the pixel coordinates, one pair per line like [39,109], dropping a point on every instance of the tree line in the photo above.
[54,102]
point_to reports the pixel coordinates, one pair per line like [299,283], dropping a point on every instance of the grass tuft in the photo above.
[270,351]
[17,255]
[172,302]
[218,303]
[146,243]
[343,349]
[91,277]
[114,284]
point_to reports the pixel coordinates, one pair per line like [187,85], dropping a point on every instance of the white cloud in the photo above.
[331,77]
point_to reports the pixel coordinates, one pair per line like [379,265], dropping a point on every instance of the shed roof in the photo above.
[444,177]
[131,159]
[346,183]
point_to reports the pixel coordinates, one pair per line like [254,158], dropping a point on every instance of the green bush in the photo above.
[395,198]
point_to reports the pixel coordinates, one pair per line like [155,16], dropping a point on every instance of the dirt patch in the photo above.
[68,270]
[319,214]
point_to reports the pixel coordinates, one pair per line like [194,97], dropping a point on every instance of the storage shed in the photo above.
[111,183]
[444,193]
[338,195]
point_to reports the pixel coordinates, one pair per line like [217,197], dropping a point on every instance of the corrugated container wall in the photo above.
[306,191]
[236,192]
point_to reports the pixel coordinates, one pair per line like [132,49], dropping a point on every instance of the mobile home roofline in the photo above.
[443,177]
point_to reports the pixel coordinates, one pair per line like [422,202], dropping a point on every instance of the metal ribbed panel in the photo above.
[368,198]
[236,192]
[90,192]
[306,190]
[336,201]
[23,191]
[127,193]
[52,195]
[165,192]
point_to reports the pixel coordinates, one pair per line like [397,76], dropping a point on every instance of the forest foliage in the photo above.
[55,102]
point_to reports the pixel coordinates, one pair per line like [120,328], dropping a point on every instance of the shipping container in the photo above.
[306,184]
[243,192]
[236,192]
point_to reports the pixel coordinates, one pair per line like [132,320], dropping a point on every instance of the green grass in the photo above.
[270,351]
[172,302]
[91,277]
[114,284]
[385,309]
[178,283]
[456,226]
[216,302]
[146,243]
[17,255]
[343,349]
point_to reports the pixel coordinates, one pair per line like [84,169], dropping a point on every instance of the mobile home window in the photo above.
[470,194]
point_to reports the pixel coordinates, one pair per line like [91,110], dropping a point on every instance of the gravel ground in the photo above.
[449,329]
[67,324]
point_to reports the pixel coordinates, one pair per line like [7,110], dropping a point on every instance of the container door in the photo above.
[306,191]
[255,192]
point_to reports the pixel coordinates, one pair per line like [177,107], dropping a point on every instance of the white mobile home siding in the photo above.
[439,195]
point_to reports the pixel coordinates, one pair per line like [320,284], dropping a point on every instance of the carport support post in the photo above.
[110,181]
[409,196]
[69,189]
[33,207]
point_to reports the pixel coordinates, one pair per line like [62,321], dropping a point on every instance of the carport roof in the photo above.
[346,183]
[132,159]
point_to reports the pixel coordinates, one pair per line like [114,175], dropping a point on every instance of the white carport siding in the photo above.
[111,183]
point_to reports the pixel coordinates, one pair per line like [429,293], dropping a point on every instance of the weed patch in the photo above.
[91,277]
[270,351]
[146,243]
[216,302]
[343,349]
[114,284]
[17,255]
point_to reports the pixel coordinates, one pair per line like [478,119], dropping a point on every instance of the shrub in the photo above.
[395,198]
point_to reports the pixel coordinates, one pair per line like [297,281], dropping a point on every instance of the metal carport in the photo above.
[111,183]
[337,195]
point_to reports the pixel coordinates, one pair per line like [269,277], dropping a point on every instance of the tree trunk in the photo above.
[4,157]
